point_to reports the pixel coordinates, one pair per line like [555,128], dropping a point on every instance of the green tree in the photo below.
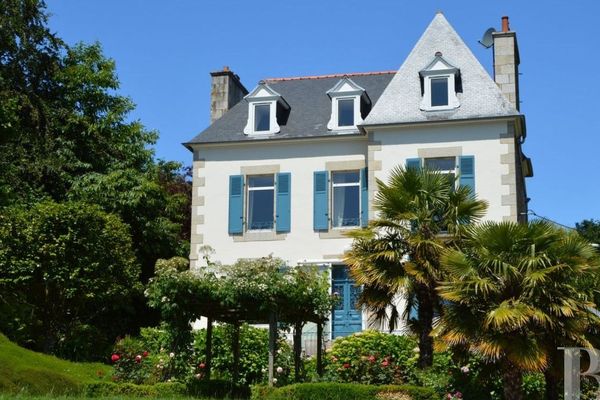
[514,294]
[589,229]
[73,271]
[420,213]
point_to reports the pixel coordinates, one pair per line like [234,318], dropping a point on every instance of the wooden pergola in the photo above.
[297,317]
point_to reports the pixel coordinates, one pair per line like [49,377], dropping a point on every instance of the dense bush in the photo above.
[342,391]
[371,357]
[72,270]
[217,389]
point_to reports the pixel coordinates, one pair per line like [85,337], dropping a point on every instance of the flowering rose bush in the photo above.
[131,362]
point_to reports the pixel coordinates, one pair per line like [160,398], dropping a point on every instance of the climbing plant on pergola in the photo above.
[255,291]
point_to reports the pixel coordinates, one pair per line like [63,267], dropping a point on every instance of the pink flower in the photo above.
[115,358]
[145,354]
[372,359]
[201,365]
[385,363]
[458,395]
[138,359]
[346,365]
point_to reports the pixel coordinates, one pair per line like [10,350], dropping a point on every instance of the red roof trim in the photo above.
[297,78]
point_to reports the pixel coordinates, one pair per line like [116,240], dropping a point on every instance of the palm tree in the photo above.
[513,295]
[419,213]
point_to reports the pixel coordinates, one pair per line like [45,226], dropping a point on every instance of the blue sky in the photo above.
[164,51]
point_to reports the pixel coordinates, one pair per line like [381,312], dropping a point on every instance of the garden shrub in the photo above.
[109,389]
[217,389]
[343,391]
[371,357]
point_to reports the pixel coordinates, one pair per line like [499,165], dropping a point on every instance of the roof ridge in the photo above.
[298,78]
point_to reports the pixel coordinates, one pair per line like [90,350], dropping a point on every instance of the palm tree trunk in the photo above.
[425,316]
[512,382]
[552,389]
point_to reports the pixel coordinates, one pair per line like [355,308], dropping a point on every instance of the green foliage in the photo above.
[109,389]
[24,371]
[371,357]
[342,391]
[254,344]
[73,268]
[132,362]
[589,229]
[217,389]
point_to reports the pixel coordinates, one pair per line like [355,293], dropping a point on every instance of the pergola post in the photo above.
[235,346]
[272,345]
[320,348]
[297,349]
[209,334]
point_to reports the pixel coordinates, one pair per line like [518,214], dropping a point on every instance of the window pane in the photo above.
[262,117]
[346,206]
[441,164]
[260,181]
[346,177]
[439,92]
[345,112]
[260,209]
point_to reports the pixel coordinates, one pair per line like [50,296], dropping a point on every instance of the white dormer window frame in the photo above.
[346,90]
[437,70]
[263,95]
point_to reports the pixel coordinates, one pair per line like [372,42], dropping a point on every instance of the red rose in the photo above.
[385,363]
[202,366]
[346,365]
[145,354]
[115,358]
[372,359]
[138,359]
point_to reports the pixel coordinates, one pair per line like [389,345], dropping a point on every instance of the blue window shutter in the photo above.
[282,208]
[321,201]
[413,163]
[466,165]
[236,203]
[364,197]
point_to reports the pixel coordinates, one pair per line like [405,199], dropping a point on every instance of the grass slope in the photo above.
[25,371]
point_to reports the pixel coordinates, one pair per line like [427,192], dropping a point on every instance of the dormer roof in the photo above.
[480,97]
[263,92]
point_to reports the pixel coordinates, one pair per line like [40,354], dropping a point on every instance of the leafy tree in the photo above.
[419,215]
[73,271]
[589,229]
[513,295]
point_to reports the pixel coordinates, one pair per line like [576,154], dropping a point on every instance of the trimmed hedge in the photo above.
[342,391]
[218,389]
[110,389]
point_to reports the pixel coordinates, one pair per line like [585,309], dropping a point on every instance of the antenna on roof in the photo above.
[487,41]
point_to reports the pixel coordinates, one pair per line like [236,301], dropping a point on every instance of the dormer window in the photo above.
[266,111]
[349,105]
[440,81]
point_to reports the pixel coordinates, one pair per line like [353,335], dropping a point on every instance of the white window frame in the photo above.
[452,99]
[247,205]
[345,89]
[333,186]
[263,95]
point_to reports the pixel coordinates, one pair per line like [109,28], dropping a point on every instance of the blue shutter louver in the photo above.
[466,165]
[364,197]
[320,201]
[236,204]
[414,163]
[283,206]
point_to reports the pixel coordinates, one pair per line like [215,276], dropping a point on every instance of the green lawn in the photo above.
[25,371]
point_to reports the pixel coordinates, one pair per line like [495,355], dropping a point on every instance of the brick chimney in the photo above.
[506,62]
[226,90]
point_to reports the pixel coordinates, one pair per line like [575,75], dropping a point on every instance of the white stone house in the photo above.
[286,168]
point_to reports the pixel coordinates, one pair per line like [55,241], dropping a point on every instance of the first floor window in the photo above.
[445,165]
[261,202]
[262,117]
[439,92]
[346,198]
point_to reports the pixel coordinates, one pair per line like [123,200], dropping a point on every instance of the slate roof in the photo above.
[396,96]
[310,108]
[480,97]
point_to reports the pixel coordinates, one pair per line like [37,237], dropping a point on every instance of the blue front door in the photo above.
[346,317]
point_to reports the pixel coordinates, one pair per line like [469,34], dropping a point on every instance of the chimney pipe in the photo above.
[506,63]
[505,26]
[226,90]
